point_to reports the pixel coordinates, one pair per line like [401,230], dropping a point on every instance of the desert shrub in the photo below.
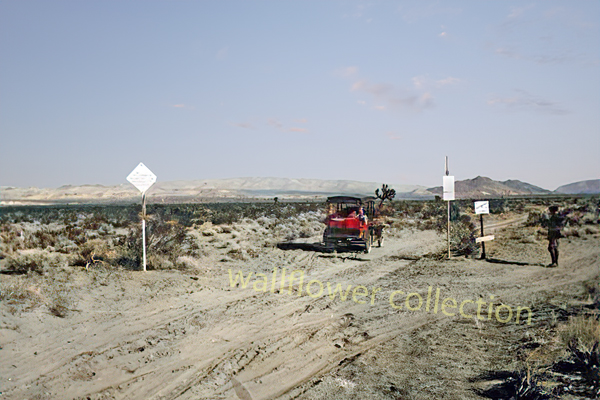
[517,385]
[187,262]
[433,210]
[93,221]
[534,218]
[581,337]
[237,254]
[584,332]
[34,261]
[498,206]
[59,299]
[95,251]
[462,239]
[185,215]
[165,242]
[517,205]
[18,292]
[75,234]
[386,210]
[302,225]
[590,218]
[10,238]
[41,239]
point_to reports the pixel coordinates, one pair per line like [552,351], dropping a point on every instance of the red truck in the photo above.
[347,229]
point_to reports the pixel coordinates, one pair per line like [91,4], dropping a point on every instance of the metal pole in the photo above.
[482,243]
[144,228]
[448,234]
[447,170]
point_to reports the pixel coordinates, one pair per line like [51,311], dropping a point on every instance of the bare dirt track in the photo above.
[195,335]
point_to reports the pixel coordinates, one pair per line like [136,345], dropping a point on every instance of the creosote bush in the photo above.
[95,251]
[166,241]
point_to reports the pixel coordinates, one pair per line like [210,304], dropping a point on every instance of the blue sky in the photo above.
[372,91]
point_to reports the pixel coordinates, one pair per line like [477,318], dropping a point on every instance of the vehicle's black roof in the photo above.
[343,199]
[349,199]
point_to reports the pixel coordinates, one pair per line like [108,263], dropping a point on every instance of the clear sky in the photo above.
[373,91]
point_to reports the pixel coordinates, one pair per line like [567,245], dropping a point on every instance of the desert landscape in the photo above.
[299,200]
[217,317]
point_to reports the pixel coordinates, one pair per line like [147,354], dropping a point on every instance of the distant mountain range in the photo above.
[482,187]
[583,187]
[267,188]
[206,190]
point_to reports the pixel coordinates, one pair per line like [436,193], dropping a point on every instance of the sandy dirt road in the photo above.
[176,335]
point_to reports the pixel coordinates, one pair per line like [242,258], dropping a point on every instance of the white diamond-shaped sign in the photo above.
[141,177]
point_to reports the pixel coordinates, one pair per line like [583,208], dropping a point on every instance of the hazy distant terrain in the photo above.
[234,188]
[267,188]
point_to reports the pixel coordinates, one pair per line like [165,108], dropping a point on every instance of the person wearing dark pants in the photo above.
[554,223]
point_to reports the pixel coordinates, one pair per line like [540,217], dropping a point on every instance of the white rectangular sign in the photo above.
[448,187]
[482,207]
[142,178]
[484,239]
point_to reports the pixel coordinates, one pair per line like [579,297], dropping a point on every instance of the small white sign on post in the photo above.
[448,188]
[484,239]
[142,178]
[482,207]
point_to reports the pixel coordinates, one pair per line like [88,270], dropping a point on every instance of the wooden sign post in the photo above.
[142,178]
[482,207]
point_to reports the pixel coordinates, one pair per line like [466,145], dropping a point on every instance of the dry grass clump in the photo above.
[565,365]
[583,332]
[94,252]
[581,336]
[59,296]
[569,363]
[20,292]
[26,292]
[34,261]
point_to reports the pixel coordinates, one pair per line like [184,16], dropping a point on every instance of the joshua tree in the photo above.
[386,193]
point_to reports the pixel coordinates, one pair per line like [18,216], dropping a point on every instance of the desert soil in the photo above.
[192,335]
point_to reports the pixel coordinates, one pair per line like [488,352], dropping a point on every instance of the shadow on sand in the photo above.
[350,253]
[497,261]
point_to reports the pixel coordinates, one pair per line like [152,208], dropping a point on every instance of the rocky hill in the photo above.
[591,186]
[483,187]
[526,188]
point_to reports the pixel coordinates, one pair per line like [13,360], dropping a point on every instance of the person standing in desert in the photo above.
[554,223]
